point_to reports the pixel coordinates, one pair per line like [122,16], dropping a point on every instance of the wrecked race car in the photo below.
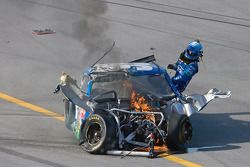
[128,106]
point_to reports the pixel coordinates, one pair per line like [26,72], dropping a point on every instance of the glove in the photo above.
[57,89]
[171,66]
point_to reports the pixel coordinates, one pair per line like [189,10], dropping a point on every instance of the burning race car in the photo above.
[118,108]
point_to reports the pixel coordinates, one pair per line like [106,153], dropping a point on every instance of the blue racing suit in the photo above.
[184,73]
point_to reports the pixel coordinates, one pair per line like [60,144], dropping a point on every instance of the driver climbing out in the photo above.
[187,65]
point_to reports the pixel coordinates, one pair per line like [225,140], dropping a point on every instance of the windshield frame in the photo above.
[127,83]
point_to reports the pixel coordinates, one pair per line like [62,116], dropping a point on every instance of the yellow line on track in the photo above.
[31,106]
[179,160]
[61,118]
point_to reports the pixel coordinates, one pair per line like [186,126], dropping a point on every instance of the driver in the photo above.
[187,65]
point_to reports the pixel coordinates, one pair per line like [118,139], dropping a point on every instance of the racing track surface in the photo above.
[30,67]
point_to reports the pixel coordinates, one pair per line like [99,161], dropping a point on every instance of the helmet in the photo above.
[194,50]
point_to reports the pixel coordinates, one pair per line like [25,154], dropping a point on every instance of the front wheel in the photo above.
[99,134]
[179,131]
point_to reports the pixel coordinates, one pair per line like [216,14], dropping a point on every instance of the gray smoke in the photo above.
[91,31]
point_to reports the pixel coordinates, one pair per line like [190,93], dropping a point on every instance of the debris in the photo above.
[43,32]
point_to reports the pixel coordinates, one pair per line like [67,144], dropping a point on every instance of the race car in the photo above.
[129,107]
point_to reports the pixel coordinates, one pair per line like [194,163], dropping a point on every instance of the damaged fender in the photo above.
[196,102]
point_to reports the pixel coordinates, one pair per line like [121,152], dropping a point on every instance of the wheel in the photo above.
[99,134]
[69,113]
[179,131]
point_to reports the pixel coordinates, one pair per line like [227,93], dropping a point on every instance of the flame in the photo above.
[140,104]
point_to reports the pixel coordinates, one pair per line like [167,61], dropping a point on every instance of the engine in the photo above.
[138,130]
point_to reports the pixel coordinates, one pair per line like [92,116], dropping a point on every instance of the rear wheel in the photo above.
[179,131]
[99,134]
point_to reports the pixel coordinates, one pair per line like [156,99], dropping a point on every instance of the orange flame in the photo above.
[140,104]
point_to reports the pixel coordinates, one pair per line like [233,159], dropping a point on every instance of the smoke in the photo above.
[91,30]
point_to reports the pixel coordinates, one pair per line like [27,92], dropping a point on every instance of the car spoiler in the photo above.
[147,59]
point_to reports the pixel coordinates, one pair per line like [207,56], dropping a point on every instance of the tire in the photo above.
[69,113]
[179,132]
[99,134]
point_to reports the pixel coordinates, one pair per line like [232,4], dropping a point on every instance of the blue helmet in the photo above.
[194,50]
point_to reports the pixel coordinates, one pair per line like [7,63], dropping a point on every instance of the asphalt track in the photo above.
[31,129]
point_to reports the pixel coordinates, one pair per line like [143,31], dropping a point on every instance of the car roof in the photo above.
[130,68]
